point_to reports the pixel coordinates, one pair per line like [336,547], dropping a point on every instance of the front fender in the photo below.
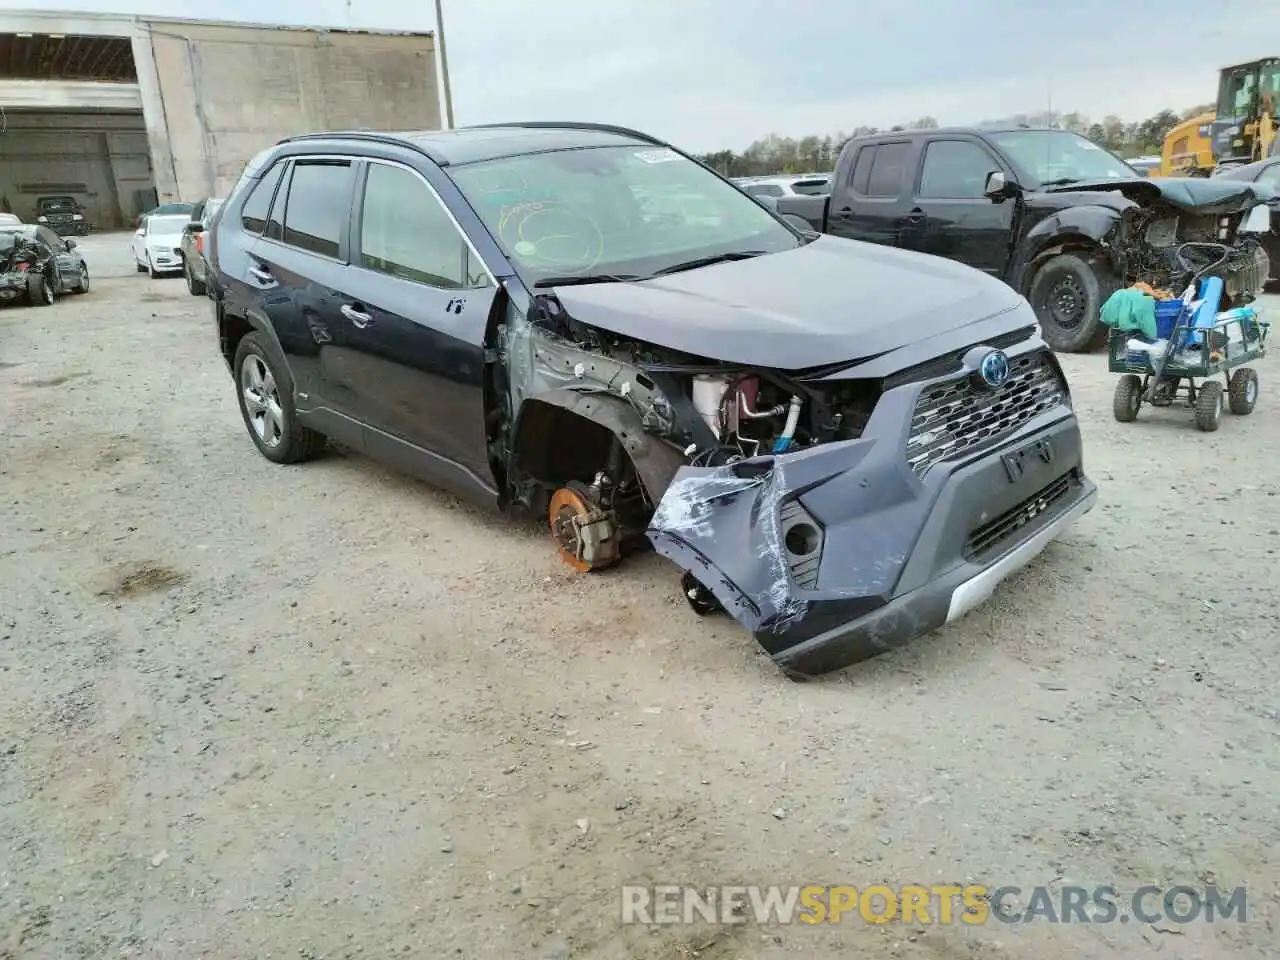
[1074,226]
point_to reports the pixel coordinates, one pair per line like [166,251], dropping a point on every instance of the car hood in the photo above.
[164,239]
[1198,194]
[827,302]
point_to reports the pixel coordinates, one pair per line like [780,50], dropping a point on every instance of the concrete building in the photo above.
[125,112]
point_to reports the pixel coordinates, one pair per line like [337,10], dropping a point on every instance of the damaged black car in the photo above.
[37,266]
[840,444]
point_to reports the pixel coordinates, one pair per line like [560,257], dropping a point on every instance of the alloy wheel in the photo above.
[262,400]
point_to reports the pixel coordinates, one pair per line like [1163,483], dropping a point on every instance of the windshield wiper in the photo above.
[708,261]
[587,278]
[1060,182]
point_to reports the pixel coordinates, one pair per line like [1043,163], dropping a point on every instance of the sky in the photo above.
[717,74]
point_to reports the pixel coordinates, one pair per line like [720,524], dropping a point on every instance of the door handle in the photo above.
[845,213]
[358,317]
[261,274]
[915,216]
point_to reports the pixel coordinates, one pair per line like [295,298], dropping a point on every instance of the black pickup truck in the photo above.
[1054,215]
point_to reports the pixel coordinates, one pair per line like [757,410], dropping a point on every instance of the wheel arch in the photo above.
[1088,229]
[558,434]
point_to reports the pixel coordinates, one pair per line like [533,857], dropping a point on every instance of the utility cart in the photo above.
[1193,353]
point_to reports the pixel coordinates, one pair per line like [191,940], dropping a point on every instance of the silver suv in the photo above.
[194,265]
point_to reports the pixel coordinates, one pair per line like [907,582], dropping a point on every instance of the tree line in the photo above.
[775,154]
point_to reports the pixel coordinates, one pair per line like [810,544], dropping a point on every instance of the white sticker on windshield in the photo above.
[657,156]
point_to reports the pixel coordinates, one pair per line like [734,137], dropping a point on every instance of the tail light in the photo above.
[22,267]
[199,243]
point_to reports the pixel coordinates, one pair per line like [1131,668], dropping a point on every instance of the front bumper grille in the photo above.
[988,538]
[957,417]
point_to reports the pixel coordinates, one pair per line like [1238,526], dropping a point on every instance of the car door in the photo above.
[950,215]
[872,202]
[294,272]
[415,307]
[68,263]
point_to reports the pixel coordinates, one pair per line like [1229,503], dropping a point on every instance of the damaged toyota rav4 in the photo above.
[842,445]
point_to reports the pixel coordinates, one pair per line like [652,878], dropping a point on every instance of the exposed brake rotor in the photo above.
[584,534]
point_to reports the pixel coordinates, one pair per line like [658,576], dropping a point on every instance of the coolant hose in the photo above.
[793,420]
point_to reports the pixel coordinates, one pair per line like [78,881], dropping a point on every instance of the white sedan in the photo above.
[157,244]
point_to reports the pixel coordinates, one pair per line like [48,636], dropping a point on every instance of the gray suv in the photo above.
[194,265]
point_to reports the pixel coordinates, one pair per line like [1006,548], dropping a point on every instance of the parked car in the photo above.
[775,411]
[10,220]
[165,210]
[1264,173]
[37,265]
[786,186]
[157,244]
[1051,213]
[194,265]
[63,215]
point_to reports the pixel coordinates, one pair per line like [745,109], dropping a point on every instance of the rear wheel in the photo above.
[1067,294]
[1242,392]
[82,285]
[266,404]
[1128,398]
[1209,407]
[39,290]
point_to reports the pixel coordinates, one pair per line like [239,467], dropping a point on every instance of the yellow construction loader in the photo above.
[1248,112]
[1188,148]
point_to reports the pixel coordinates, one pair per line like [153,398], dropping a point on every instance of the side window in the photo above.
[887,169]
[253,215]
[764,190]
[319,199]
[862,169]
[955,170]
[406,232]
[275,220]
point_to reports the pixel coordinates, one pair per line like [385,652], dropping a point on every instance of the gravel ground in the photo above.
[327,711]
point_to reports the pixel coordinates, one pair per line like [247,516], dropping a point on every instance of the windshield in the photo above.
[1056,156]
[7,240]
[613,211]
[56,204]
[166,225]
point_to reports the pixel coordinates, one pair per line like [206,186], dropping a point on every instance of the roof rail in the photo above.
[573,125]
[371,135]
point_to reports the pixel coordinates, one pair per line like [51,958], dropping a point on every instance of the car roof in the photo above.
[496,141]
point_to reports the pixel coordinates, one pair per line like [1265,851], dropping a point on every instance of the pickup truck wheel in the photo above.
[266,403]
[1067,294]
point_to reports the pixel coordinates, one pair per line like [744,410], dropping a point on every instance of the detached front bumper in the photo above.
[839,552]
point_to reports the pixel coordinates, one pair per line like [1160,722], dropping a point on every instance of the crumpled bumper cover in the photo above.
[837,553]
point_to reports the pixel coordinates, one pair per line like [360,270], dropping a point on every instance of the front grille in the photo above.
[957,417]
[988,537]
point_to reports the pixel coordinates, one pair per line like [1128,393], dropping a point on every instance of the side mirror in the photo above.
[71,244]
[801,224]
[997,187]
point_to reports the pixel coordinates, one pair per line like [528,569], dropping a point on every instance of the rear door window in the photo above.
[862,169]
[887,169]
[764,190]
[319,198]
[253,215]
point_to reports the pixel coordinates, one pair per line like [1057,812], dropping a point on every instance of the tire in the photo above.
[1242,391]
[151,269]
[1209,407]
[39,290]
[83,285]
[194,287]
[142,268]
[1128,398]
[273,426]
[1067,294]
